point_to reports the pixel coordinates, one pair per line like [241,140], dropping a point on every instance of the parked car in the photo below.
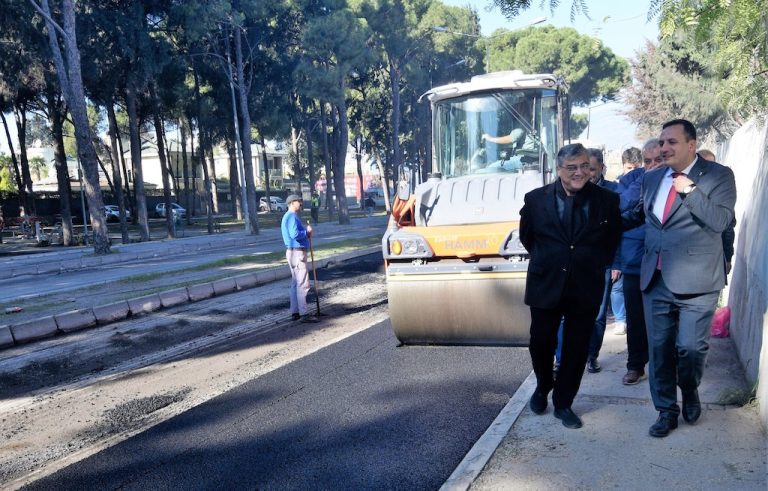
[278,204]
[178,211]
[112,213]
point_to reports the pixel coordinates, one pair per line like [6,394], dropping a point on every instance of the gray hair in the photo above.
[571,151]
[597,154]
[651,144]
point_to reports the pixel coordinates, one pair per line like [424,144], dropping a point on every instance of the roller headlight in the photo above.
[408,246]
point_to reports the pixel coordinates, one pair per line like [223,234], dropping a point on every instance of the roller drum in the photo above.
[459,309]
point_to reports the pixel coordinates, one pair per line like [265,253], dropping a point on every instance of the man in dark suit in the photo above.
[571,229]
[686,205]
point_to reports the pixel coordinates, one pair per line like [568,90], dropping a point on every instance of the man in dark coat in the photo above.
[571,229]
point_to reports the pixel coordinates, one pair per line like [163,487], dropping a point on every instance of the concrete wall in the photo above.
[746,154]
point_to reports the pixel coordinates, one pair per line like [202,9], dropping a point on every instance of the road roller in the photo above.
[455,267]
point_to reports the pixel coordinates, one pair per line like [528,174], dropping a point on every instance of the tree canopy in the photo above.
[734,35]
[592,70]
[329,71]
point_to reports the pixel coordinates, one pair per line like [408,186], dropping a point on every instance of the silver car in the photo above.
[112,213]
[177,210]
[277,204]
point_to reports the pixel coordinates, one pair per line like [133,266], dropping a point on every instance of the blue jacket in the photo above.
[294,233]
[629,255]
[609,185]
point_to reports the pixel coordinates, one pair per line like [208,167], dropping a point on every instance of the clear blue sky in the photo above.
[622,26]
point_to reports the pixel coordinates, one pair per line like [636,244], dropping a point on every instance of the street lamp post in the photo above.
[487,40]
[589,116]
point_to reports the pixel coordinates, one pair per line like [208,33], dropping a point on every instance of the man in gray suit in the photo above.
[686,205]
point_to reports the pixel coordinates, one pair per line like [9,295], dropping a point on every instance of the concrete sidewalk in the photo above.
[725,450]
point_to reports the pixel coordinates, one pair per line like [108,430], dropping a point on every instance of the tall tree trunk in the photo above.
[116,171]
[185,170]
[170,223]
[56,111]
[358,146]
[103,168]
[246,136]
[171,172]
[71,81]
[138,172]
[296,159]
[24,211]
[194,167]
[20,115]
[394,77]
[266,170]
[310,157]
[340,160]
[206,180]
[213,186]
[234,181]
[327,160]
[130,201]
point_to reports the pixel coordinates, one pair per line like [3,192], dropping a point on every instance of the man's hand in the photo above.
[615,275]
[681,182]
[727,268]
[309,230]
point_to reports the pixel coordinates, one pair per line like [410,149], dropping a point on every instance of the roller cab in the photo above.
[455,267]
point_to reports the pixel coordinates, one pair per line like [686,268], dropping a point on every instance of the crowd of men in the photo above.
[656,246]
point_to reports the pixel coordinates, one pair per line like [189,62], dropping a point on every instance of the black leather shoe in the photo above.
[295,316]
[593,366]
[538,402]
[691,407]
[569,418]
[663,425]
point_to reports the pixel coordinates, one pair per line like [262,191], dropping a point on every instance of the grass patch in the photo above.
[738,397]
[27,306]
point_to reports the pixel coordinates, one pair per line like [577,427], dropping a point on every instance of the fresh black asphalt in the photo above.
[360,414]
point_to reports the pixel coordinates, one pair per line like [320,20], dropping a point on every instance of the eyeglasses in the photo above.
[572,169]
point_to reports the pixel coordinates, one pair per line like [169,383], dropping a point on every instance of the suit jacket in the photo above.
[556,261]
[689,241]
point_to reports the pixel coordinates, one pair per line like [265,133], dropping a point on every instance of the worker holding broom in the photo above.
[296,238]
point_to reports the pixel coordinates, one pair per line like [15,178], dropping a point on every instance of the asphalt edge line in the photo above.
[46,327]
[481,452]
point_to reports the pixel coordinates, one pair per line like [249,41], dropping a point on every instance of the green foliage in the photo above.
[671,81]
[578,123]
[735,34]
[334,45]
[7,181]
[592,70]
[513,8]
[38,167]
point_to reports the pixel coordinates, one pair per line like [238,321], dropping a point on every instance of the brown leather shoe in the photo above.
[632,377]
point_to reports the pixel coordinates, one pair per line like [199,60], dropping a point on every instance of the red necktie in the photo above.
[667,208]
[670,198]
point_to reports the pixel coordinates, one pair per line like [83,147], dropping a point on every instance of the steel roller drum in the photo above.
[459,309]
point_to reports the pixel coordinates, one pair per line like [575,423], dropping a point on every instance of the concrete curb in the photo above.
[111,312]
[6,338]
[75,320]
[32,330]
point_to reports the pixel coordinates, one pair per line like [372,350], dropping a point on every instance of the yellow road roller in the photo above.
[454,263]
